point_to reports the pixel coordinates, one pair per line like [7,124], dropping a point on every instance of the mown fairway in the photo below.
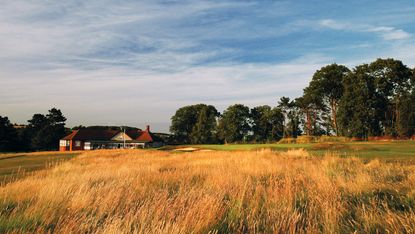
[261,191]
[392,150]
[16,165]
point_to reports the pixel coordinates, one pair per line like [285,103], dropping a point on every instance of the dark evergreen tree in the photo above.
[260,123]
[9,140]
[276,120]
[45,132]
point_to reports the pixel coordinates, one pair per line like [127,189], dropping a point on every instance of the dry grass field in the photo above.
[260,191]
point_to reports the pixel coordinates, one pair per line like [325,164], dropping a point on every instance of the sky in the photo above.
[114,62]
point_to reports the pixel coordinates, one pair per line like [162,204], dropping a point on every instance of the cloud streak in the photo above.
[387,33]
[115,62]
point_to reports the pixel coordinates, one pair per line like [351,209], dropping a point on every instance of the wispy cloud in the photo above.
[134,33]
[391,33]
[143,59]
[330,23]
[387,33]
[118,92]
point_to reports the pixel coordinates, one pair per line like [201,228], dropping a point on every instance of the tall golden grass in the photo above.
[137,191]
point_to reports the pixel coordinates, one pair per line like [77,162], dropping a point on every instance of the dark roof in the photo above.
[91,134]
[134,134]
[85,134]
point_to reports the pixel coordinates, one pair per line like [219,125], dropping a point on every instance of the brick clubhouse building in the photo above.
[90,139]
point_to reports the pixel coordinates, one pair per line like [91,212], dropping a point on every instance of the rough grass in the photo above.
[137,191]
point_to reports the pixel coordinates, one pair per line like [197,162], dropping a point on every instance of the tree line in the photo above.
[43,132]
[370,100]
[203,124]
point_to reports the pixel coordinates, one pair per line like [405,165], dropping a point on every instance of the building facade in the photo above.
[90,139]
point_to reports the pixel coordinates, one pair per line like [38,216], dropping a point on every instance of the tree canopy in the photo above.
[8,135]
[234,124]
[370,100]
[194,124]
[45,131]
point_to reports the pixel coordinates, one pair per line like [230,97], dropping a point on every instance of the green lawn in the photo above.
[396,150]
[13,166]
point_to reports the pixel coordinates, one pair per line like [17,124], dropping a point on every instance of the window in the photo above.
[87,146]
[62,143]
[77,143]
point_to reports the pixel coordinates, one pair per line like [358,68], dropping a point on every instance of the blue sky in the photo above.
[135,62]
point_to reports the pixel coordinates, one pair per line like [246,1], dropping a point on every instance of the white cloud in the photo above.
[387,33]
[136,61]
[330,23]
[390,33]
[116,94]
[140,58]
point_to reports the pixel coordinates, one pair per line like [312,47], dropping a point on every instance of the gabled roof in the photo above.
[145,137]
[91,134]
[121,136]
[70,136]
[86,134]
[134,134]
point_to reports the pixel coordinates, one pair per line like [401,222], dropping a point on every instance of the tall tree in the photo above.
[37,122]
[291,121]
[234,125]
[392,81]
[267,123]
[45,132]
[55,117]
[204,131]
[311,105]
[358,109]
[327,83]
[276,120]
[8,135]
[406,123]
[184,121]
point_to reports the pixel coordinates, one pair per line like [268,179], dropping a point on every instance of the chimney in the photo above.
[148,128]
